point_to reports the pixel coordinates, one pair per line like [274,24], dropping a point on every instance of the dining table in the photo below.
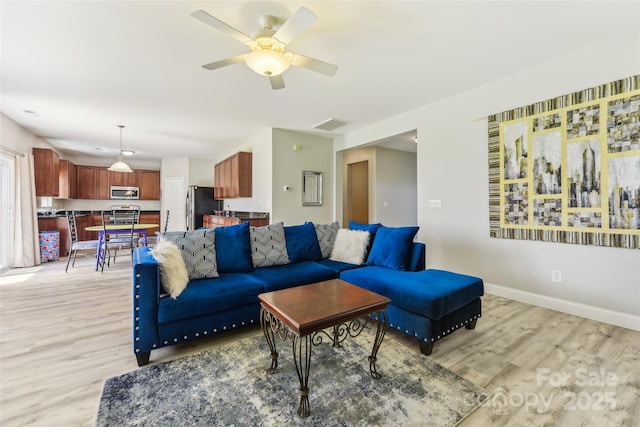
[118,229]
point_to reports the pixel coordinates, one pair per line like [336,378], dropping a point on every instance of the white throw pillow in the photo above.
[350,246]
[173,271]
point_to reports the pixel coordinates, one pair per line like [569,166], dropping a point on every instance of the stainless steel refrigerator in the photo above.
[200,201]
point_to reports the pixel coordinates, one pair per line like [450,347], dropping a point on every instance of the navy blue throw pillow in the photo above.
[233,249]
[302,243]
[392,247]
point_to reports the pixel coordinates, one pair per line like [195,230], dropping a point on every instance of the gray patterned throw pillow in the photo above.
[326,237]
[198,251]
[268,245]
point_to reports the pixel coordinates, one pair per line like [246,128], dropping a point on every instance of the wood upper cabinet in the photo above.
[68,182]
[93,182]
[149,184]
[234,176]
[218,191]
[103,191]
[47,168]
[128,179]
[86,176]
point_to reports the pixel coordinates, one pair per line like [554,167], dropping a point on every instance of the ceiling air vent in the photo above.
[331,124]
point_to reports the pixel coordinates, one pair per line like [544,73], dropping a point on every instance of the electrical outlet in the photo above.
[556,276]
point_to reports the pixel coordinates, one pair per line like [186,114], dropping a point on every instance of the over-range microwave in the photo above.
[124,193]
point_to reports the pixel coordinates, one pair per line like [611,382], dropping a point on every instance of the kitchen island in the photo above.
[255,219]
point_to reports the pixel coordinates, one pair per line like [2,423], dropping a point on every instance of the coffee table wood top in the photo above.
[309,308]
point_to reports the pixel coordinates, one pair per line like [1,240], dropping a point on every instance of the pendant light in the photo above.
[120,166]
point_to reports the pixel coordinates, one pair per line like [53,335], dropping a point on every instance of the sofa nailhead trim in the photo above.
[137,338]
[137,350]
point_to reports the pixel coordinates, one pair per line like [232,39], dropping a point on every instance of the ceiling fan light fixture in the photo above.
[120,166]
[268,62]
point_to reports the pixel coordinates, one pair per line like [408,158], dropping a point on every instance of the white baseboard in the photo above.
[617,318]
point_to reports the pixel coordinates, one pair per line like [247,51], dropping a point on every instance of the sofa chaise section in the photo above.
[426,304]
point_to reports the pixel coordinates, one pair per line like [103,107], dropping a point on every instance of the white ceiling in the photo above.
[87,66]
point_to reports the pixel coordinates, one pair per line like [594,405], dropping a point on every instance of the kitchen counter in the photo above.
[61,214]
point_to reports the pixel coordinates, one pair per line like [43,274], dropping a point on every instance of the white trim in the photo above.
[616,318]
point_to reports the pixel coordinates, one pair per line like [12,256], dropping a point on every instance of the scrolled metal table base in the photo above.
[301,346]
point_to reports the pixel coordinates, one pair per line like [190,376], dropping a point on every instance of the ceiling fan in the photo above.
[268,56]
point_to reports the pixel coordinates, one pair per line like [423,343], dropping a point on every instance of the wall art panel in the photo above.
[568,169]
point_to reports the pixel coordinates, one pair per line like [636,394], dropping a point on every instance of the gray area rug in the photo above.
[229,386]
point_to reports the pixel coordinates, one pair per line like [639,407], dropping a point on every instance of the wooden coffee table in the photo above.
[302,313]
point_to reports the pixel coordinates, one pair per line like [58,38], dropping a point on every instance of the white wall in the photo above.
[316,154]
[201,172]
[14,136]
[598,282]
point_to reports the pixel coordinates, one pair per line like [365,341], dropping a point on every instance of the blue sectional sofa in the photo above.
[427,304]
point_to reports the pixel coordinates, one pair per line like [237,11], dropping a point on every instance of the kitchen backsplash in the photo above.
[94,205]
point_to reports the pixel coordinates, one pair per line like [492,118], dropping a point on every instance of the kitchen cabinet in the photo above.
[85,221]
[150,219]
[47,169]
[213,221]
[93,182]
[86,176]
[234,176]
[103,190]
[218,190]
[68,182]
[149,184]
[127,179]
[60,225]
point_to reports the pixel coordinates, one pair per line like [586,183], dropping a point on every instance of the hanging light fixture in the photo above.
[120,166]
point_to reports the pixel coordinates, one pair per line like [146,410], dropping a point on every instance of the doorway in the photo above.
[357,197]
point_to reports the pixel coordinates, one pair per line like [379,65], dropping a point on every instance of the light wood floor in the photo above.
[63,334]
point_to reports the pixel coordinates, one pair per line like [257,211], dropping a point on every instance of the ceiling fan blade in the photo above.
[224,62]
[203,16]
[295,25]
[277,82]
[314,65]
